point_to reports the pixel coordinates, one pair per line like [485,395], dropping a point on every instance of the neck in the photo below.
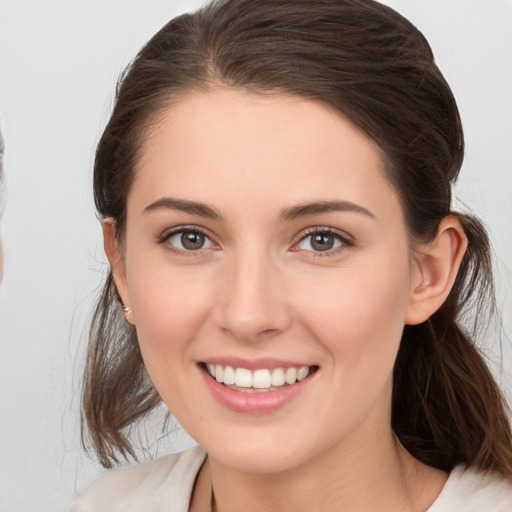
[378,476]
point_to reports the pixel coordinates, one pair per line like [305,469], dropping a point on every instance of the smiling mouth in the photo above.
[258,381]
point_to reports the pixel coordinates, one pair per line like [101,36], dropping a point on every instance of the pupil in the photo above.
[192,240]
[322,242]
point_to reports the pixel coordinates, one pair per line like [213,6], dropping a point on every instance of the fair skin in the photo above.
[262,233]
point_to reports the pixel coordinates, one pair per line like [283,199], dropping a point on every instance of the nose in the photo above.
[252,303]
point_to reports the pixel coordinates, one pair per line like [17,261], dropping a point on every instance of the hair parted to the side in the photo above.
[376,68]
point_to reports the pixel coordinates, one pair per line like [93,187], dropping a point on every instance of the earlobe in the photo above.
[436,266]
[117,264]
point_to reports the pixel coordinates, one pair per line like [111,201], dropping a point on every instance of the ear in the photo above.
[435,269]
[117,264]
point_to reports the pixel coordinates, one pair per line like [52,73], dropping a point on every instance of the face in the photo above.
[265,248]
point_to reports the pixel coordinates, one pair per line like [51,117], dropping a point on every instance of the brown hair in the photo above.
[376,68]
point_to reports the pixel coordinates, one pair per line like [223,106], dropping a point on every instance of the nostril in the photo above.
[249,305]
[248,332]
[268,332]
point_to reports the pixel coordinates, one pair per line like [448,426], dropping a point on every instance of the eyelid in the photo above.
[170,232]
[346,240]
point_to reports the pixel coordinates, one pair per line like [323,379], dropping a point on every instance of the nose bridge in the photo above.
[252,305]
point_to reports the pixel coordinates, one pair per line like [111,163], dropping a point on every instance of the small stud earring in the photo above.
[126,309]
[423,285]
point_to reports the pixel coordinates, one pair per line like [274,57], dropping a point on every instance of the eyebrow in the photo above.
[288,214]
[182,205]
[317,208]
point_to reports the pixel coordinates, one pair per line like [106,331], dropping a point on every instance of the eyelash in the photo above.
[344,240]
[167,235]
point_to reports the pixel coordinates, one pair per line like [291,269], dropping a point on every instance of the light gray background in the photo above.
[59,61]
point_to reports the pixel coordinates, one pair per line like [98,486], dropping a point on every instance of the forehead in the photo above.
[229,142]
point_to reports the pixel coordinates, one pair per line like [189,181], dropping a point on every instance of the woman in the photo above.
[287,275]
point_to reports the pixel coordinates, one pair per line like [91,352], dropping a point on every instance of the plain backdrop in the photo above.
[59,61]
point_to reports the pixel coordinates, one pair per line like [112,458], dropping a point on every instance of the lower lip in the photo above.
[255,404]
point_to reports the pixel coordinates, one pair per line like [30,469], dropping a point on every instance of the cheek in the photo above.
[170,307]
[169,314]
[359,322]
[359,316]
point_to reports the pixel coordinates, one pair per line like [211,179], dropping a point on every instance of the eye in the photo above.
[322,240]
[187,240]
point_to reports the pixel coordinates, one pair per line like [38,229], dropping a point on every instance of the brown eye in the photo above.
[322,242]
[187,240]
[192,240]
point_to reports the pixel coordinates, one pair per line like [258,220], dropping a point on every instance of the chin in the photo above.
[254,455]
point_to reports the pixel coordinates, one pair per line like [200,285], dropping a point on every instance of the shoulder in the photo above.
[470,490]
[151,486]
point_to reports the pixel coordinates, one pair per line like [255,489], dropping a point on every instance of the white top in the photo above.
[165,485]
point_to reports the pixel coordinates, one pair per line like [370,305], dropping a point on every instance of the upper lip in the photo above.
[254,364]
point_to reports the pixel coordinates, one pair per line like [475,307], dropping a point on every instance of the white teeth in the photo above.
[262,379]
[278,378]
[219,373]
[302,373]
[229,375]
[243,378]
[290,375]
